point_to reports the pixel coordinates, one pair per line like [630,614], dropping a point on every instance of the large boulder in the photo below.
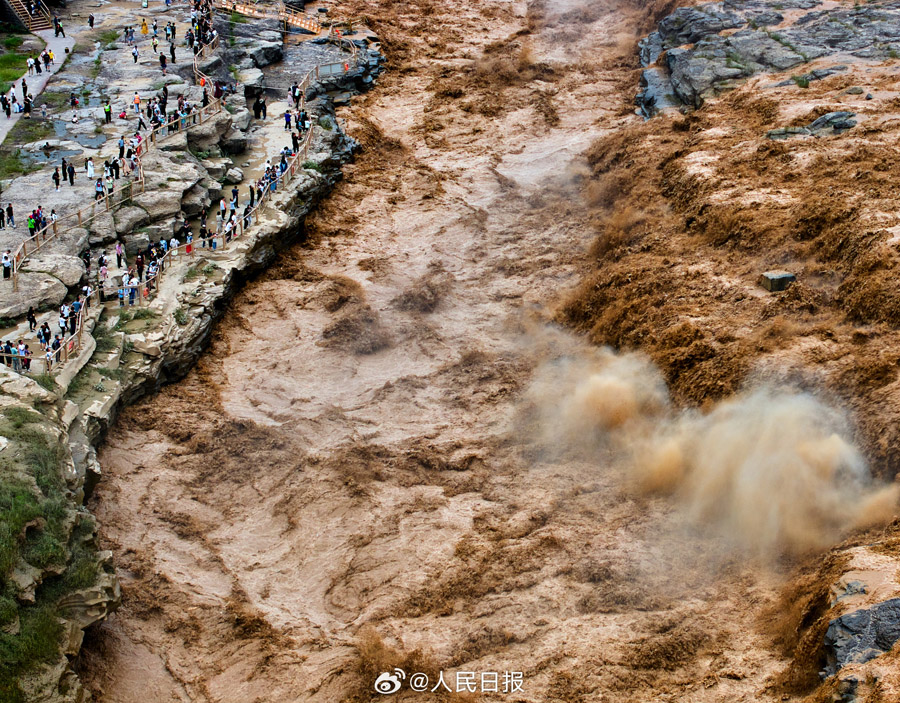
[689,24]
[862,635]
[195,201]
[252,79]
[135,242]
[130,218]
[40,290]
[204,136]
[102,230]
[235,142]
[233,176]
[159,204]
[241,119]
[67,268]
[264,53]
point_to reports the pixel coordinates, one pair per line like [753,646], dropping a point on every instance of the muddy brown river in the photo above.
[348,482]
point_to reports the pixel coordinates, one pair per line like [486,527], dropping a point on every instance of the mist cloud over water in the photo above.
[771,471]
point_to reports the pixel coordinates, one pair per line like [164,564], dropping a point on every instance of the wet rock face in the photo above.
[862,635]
[700,60]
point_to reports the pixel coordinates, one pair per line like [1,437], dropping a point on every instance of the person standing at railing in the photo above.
[98,190]
[7,264]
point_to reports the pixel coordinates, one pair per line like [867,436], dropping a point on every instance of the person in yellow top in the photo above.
[144,28]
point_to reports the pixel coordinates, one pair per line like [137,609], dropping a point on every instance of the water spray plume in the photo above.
[772,472]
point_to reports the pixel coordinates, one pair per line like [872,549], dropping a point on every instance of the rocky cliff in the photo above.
[60,582]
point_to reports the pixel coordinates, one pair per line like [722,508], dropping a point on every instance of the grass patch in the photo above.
[80,382]
[312,166]
[54,100]
[46,381]
[115,374]
[181,316]
[12,43]
[209,269]
[108,36]
[237,18]
[124,318]
[801,81]
[12,161]
[8,322]
[19,416]
[144,314]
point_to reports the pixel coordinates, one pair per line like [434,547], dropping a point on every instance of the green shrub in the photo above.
[325,123]
[312,166]
[8,610]
[44,550]
[801,81]
[144,314]
[181,316]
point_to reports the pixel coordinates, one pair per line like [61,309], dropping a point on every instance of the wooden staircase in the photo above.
[41,18]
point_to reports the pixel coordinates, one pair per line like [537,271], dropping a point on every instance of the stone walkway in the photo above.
[36,84]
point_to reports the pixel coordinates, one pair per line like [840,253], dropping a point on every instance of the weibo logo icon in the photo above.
[388,682]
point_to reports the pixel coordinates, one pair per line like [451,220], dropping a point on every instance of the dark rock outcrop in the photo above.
[703,56]
[862,635]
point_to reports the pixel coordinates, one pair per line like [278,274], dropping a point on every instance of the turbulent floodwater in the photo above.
[350,480]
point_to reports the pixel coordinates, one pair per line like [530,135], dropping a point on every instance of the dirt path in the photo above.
[347,482]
